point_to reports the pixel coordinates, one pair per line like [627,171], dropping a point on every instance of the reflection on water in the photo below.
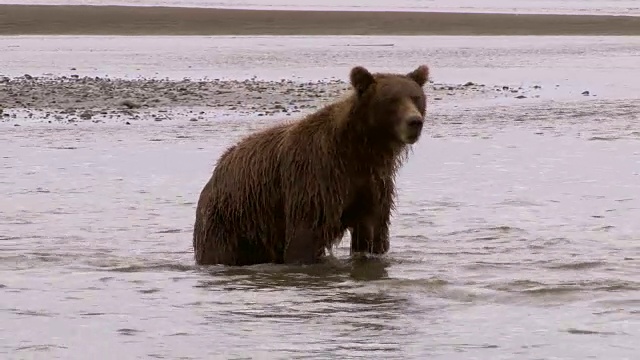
[512,239]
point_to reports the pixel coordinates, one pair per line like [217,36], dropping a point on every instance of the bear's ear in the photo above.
[361,79]
[420,75]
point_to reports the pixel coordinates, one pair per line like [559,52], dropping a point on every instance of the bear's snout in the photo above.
[415,123]
[412,129]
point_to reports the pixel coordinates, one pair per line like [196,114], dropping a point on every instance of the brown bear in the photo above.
[287,193]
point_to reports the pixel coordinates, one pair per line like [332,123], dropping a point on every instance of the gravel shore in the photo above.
[73,98]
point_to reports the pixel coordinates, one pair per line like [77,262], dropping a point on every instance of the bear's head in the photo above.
[393,105]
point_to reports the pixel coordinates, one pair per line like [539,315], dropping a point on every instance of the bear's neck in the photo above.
[368,147]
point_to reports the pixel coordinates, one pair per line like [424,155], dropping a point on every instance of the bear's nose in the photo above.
[415,122]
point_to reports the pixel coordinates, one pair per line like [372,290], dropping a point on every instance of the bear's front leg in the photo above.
[372,238]
[362,237]
[303,245]
[370,234]
[381,237]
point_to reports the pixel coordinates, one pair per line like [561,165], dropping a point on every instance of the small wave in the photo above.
[27,261]
[620,303]
[34,313]
[92,314]
[545,243]
[180,334]
[604,138]
[149,291]
[516,285]
[63,147]
[40,347]
[503,229]
[19,221]
[151,268]
[619,286]
[582,265]
[470,346]
[482,265]
[9,238]
[535,288]
[170,231]
[128,331]
[61,212]
[605,228]
[552,290]
[428,283]
[518,203]
[589,332]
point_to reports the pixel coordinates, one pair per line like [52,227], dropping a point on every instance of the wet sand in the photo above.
[119,20]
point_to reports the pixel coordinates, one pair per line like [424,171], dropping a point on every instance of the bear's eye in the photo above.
[417,100]
[393,100]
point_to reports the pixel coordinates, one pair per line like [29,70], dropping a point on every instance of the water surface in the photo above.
[516,234]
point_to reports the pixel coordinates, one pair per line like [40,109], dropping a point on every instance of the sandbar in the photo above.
[132,20]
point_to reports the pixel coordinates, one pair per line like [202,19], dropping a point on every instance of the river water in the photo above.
[516,234]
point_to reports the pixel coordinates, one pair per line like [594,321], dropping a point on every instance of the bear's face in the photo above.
[396,103]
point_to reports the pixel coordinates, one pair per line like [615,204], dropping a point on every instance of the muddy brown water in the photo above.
[517,236]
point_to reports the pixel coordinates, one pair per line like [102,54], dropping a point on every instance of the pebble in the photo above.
[130,104]
[86,115]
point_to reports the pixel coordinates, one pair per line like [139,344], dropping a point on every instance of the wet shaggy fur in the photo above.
[287,193]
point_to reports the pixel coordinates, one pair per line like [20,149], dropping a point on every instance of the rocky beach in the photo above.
[73,98]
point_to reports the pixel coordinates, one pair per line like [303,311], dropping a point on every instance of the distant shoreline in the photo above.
[149,20]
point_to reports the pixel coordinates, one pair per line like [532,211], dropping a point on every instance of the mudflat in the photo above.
[130,20]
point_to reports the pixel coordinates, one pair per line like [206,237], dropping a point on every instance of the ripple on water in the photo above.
[149,268]
[591,332]
[129,332]
[40,347]
[536,288]
[33,313]
[579,265]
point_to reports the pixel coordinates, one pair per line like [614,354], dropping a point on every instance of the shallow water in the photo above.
[598,7]
[516,236]
[510,244]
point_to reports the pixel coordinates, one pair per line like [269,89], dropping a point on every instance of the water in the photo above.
[516,235]
[598,7]
[575,63]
